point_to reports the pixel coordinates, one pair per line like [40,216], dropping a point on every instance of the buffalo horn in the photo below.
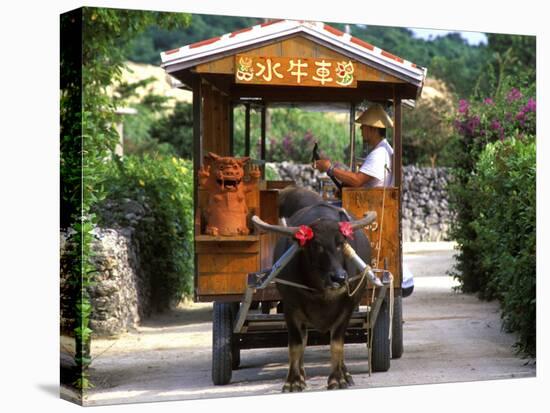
[279,229]
[363,222]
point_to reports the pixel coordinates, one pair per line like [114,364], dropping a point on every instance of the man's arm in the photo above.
[348,178]
[353,179]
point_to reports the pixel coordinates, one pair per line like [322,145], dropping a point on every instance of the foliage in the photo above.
[509,56]
[483,130]
[428,135]
[292,133]
[511,111]
[90,60]
[449,58]
[176,130]
[505,227]
[271,173]
[139,137]
[147,47]
[165,186]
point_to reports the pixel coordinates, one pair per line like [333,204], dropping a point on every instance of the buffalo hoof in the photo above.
[294,386]
[340,381]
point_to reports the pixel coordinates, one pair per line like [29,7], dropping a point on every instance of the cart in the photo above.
[302,63]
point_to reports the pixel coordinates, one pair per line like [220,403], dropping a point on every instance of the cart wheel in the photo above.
[380,339]
[397,328]
[222,331]
[235,349]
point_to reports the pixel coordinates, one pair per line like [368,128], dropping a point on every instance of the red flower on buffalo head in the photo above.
[303,235]
[346,229]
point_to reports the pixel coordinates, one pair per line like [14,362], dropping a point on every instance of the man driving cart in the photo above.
[376,170]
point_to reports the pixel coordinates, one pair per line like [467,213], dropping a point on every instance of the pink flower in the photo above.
[346,229]
[531,106]
[513,94]
[488,101]
[473,124]
[463,106]
[521,118]
[303,235]
[495,125]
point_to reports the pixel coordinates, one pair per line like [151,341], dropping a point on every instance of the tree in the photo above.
[449,58]
[176,130]
[146,48]
[427,129]
[93,46]
[510,56]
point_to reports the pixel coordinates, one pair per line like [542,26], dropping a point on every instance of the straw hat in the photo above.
[375,116]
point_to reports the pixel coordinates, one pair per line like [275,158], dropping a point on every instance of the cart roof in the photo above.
[188,56]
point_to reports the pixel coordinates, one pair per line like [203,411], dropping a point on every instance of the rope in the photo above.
[382,218]
[293,284]
[363,275]
[391,298]
[381,229]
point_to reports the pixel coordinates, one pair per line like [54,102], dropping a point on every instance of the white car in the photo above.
[407,284]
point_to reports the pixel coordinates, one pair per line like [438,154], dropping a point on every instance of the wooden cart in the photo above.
[292,62]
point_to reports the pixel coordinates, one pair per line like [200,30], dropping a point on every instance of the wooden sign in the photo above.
[295,71]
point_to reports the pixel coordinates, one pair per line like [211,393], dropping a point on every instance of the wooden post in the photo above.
[247,129]
[398,145]
[397,164]
[352,137]
[263,135]
[231,129]
[197,157]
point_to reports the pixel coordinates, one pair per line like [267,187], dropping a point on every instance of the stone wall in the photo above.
[303,174]
[121,295]
[426,215]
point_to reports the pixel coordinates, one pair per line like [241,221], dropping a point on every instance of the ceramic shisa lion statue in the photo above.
[222,178]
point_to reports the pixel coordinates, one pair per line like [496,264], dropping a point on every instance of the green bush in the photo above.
[291,133]
[511,113]
[164,185]
[493,198]
[505,227]
[176,130]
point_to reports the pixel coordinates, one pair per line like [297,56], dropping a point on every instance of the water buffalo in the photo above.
[322,267]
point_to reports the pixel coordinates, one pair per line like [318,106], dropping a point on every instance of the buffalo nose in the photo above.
[339,276]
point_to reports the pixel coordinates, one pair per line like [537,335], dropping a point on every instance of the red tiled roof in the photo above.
[204,42]
[275,28]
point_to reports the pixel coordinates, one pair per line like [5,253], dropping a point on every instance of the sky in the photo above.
[473,38]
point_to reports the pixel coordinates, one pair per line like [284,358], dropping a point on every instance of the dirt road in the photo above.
[448,337]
